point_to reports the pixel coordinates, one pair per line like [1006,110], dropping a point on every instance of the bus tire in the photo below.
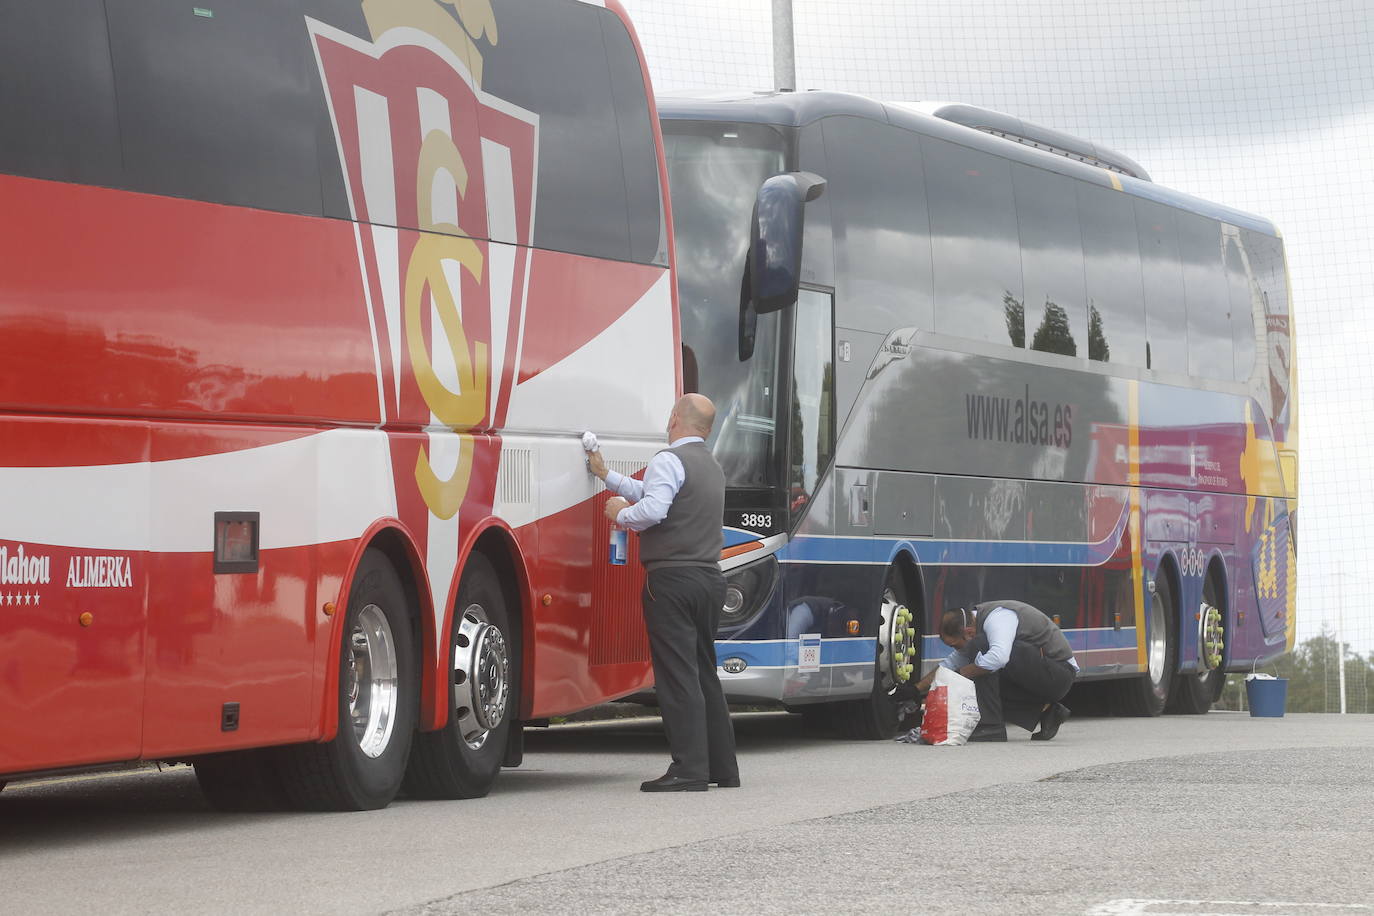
[1090,698]
[1146,694]
[876,716]
[871,719]
[462,759]
[241,781]
[378,695]
[1194,692]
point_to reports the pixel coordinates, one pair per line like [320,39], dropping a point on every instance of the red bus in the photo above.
[303,306]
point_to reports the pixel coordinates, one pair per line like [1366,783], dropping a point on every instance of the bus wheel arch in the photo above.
[482,676]
[909,594]
[877,715]
[375,692]
[1148,693]
[401,550]
[1194,692]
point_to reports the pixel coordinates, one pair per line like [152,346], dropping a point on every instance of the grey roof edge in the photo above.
[795,109]
[1010,127]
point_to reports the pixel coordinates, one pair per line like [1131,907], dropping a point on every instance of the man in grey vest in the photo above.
[678,511]
[1020,663]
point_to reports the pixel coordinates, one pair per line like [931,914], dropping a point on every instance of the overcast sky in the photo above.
[1264,105]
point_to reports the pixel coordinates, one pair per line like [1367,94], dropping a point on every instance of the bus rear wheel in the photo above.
[1147,693]
[1193,693]
[378,696]
[462,759]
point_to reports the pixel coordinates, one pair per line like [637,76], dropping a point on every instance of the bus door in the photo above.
[811,425]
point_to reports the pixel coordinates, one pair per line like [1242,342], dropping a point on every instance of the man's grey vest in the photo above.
[690,535]
[1032,626]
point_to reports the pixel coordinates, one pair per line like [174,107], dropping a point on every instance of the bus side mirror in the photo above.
[748,318]
[775,239]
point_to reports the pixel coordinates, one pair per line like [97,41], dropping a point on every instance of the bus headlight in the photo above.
[747,590]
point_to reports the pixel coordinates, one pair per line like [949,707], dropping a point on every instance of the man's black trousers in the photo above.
[1018,693]
[681,612]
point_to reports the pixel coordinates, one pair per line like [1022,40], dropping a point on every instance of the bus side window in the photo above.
[1166,318]
[580,202]
[818,243]
[648,232]
[1266,266]
[1210,350]
[217,108]
[974,241]
[881,235]
[1054,316]
[1243,289]
[812,425]
[60,124]
[1111,254]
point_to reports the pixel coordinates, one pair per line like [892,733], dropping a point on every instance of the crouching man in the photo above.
[1019,661]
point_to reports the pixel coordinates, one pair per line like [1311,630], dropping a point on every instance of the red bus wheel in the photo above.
[461,759]
[362,768]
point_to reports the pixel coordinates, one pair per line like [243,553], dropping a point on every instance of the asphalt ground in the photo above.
[1219,814]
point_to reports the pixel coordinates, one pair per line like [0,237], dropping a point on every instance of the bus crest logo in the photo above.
[440,178]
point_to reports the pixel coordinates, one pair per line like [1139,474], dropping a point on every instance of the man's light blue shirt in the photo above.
[1000,626]
[652,498]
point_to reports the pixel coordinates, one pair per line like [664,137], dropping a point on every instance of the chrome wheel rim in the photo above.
[371,681]
[896,641]
[481,677]
[1157,635]
[1211,637]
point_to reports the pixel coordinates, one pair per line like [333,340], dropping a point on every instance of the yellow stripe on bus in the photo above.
[1133,481]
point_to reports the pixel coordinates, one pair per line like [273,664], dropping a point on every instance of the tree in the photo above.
[1097,341]
[1015,314]
[1054,335]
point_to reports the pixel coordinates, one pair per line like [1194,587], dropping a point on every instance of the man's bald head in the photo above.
[695,414]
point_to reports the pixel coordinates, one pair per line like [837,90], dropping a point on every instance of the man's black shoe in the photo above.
[988,733]
[1050,721]
[731,783]
[667,783]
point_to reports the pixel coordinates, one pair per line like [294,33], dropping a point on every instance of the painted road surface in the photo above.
[1220,814]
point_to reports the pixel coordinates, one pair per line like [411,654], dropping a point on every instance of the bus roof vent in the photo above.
[1048,139]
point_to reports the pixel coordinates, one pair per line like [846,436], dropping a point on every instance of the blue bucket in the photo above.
[1266,696]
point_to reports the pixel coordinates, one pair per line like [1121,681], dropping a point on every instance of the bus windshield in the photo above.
[714,171]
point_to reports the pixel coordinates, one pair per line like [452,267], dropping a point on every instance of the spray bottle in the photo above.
[618,550]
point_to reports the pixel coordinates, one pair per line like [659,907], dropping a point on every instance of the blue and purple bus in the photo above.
[957,357]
